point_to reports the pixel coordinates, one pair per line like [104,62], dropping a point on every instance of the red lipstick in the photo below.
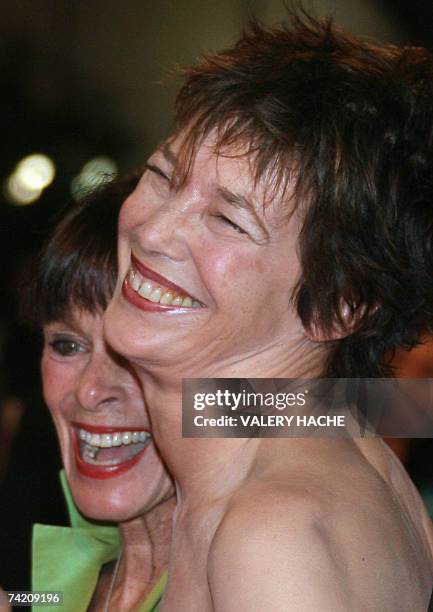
[102,472]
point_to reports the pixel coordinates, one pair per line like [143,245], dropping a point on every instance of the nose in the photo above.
[100,383]
[165,228]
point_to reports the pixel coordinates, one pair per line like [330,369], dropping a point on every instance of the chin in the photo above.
[152,337]
[143,337]
[106,507]
[116,503]
[120,497]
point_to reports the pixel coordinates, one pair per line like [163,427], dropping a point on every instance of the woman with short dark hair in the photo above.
[113,471]
[285,231]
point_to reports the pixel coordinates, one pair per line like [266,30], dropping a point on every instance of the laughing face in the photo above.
[206,270]
[97,405]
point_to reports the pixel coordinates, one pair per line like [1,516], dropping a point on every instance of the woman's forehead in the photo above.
[76,318]
[233,167]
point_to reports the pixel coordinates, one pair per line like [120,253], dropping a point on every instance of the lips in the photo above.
[117,449]
[154,276]
[150,291]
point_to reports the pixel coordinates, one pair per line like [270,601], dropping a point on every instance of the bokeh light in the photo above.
[19,195]
[35,171]
[31,176]
[95,172]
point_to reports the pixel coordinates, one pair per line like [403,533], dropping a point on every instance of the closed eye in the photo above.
[230,223]
[158,171]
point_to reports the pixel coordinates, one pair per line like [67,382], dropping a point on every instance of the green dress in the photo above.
[69,559]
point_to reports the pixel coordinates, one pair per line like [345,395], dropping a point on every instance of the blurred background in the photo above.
[87,89]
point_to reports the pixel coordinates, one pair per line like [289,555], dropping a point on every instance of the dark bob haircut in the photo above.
[77,267]
[343,128]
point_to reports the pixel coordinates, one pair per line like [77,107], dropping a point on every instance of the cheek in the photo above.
[231,276]
[126,223]
[242,274]
[128,216]
[57,384]
[259,266]
[135,211]
[222,267]
[131,218]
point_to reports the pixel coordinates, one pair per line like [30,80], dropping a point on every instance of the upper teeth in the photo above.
[155,293]
[107,440]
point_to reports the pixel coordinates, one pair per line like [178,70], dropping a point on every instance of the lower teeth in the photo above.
[90,453]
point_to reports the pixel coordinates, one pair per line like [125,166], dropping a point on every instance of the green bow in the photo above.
[69,559]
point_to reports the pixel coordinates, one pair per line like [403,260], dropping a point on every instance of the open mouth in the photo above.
[155,289]
[102,452]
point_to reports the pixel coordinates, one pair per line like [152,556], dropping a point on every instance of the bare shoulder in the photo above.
[311,547]
[275,546]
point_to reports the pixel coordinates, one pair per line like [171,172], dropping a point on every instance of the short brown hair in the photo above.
[350,125]
[77,267]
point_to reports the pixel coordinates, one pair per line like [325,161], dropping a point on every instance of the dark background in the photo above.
[81,79]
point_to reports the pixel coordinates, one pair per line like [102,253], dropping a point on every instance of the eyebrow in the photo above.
[239,201]
[168,154]
[235,199]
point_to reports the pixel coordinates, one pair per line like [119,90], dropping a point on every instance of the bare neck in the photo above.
[145,553]
[197,464]
[296,357]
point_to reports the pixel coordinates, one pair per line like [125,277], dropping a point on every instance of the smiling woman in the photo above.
[292,205]
[216,253]
[83,380]
[112,467]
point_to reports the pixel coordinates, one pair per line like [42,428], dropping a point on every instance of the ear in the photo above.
[346,324]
